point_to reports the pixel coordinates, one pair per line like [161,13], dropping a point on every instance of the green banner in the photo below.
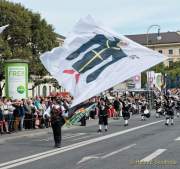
[79,114]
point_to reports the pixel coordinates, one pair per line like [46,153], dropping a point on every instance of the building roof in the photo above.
[166,38]
[60,36]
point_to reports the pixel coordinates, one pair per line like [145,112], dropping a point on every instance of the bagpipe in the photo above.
[147,113]
[161,111]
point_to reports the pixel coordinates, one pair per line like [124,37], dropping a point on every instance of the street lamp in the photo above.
[147,43]
[158,34]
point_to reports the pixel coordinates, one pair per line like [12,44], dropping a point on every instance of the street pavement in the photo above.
[142,144]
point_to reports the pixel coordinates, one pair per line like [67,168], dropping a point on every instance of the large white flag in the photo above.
[94,58]
[2,28]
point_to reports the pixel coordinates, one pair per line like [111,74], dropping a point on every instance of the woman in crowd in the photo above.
[5,113]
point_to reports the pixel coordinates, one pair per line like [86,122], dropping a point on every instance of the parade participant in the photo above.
[57,122]
[103,114]
[116,106]
[144,110]
[169,107]
[125,111]
[158,107]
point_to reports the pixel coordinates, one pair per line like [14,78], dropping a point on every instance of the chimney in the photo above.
[178,32]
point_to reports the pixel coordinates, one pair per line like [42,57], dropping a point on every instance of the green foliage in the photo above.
[27,36]
[172,70]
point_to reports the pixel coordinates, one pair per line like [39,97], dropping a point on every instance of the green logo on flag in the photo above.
[21,89]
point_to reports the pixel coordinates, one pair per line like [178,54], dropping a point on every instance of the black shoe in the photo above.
[8,132]
[99,131]
[172,124]
[125,125]
[57,146]
[106,130]
[166,124]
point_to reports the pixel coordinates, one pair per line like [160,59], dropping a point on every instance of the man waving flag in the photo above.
[94,58]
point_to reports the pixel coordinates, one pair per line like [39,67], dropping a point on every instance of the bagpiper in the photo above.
[177,108]
[169,108]
[125,111]
[158,107]
[144,110]
[102,108]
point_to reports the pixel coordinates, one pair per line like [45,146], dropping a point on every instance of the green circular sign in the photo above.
[21,89]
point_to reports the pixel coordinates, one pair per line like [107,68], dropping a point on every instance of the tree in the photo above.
[26,37]
[173,71]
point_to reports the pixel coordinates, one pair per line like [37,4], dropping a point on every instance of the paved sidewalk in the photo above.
[39,132]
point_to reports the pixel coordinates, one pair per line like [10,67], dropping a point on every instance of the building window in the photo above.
[170,51]
[39,92]
[44,91]
[50,89]
[160,51]
[33,92]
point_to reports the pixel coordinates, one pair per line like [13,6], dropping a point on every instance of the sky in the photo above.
[123,16]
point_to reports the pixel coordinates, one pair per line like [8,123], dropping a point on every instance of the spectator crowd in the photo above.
[18,115]
[25,114]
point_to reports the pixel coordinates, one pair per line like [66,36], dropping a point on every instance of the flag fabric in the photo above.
[2,28]
[94,59]
[79,114]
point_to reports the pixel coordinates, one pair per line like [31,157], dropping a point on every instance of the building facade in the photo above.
[169,44]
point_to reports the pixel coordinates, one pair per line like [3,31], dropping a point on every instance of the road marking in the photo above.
[49,153]
[117,151]
[87,158]
[177,139]
[154,155]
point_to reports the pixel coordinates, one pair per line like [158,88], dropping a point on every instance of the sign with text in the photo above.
[16,80]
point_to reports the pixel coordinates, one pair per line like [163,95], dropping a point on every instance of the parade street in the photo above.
[142,144]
